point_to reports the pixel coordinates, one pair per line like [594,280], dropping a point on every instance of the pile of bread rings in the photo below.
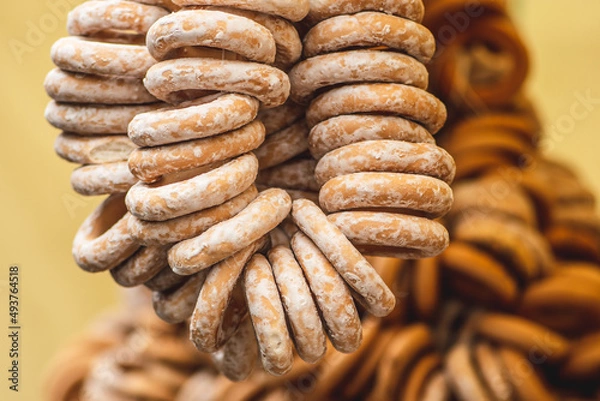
[280,191]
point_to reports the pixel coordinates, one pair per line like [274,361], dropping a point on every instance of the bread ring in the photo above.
[436,388]
[296,297]
[168,4]
[347,129]
[332,297]
[228,237]
[236,359]
[462,376]
[323,9]
[93,149]
[103,241]
[386,156]
[215,29]
[583,361]
[397,99]
[391,234]
[416,380]
[309,76]
[281,117]
[492,373]
[190,225]
[149,164]
[199,119]
[268,318]
[370,29]
[349,262]
[64,86]
[413,194]
[165,79]
[102,179]
[283,145]
[291,10]
[93,17]
[94,119]
[176,305]
[426,283]
[165,280]
[146,263]
[156,202]
[531,389]
[293,174]
[112,59]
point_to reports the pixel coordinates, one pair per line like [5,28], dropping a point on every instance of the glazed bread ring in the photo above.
[146,263]
[348,129]
[349,262]
[281,8]
[103,241]
[156,202]
[323,9]
[93,149]
[102,179]
[256,220]
[198,119]
[176,305]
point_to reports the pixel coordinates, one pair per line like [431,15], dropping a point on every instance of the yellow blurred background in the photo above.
[39,213]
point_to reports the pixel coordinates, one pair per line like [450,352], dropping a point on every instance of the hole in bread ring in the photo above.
[103,241]
[228,237]
[283,145]
[93,149]
[386,156]
[278,118]
[165,280]
[323,9]
[413,193]
[176,305]
[113,59]
[391,234]
[370,29]
[102,179]
[295,174]
[396,99]
[309,76]
[164,201]
[288,9]
[142,266]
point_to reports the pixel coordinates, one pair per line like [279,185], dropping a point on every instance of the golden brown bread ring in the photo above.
[167,79]
[190,225]
[386,156]
[347,129]
[94,17]
[278,118]
[267,316]
[347,260]
[426,283]
[370,29]
[237,358]
[493,373]
[208,329]
[415,194]
[436,388]
[64,86]
[93,149]
[288,9]
[283,145]
[422,370]
[146,263]
[533,387]
[315,73]
[214,29]
[149,164]
[197,119]
[583,361]
[391,234]
[103,241]
[462,376]
[332,296]
[323,9]
[164,201]
[176,305]
[296,174]
[228,237]
[396,99]
[102,179]
[87,56]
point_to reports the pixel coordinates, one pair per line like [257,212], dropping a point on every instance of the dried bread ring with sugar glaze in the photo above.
[93,17]
[283,145]
[332,296]
[389,156]
[163,201]
[267,316]
[396,99]
[313,74]
[293,11]
[347,129]
[149,164]
[190,225]
[323,9]
[113,59]
[103,241]
[392,191]
[146,263]
[102,179]
[258,218]
[370,29]
[352,266]
[93,149]
[392,234]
